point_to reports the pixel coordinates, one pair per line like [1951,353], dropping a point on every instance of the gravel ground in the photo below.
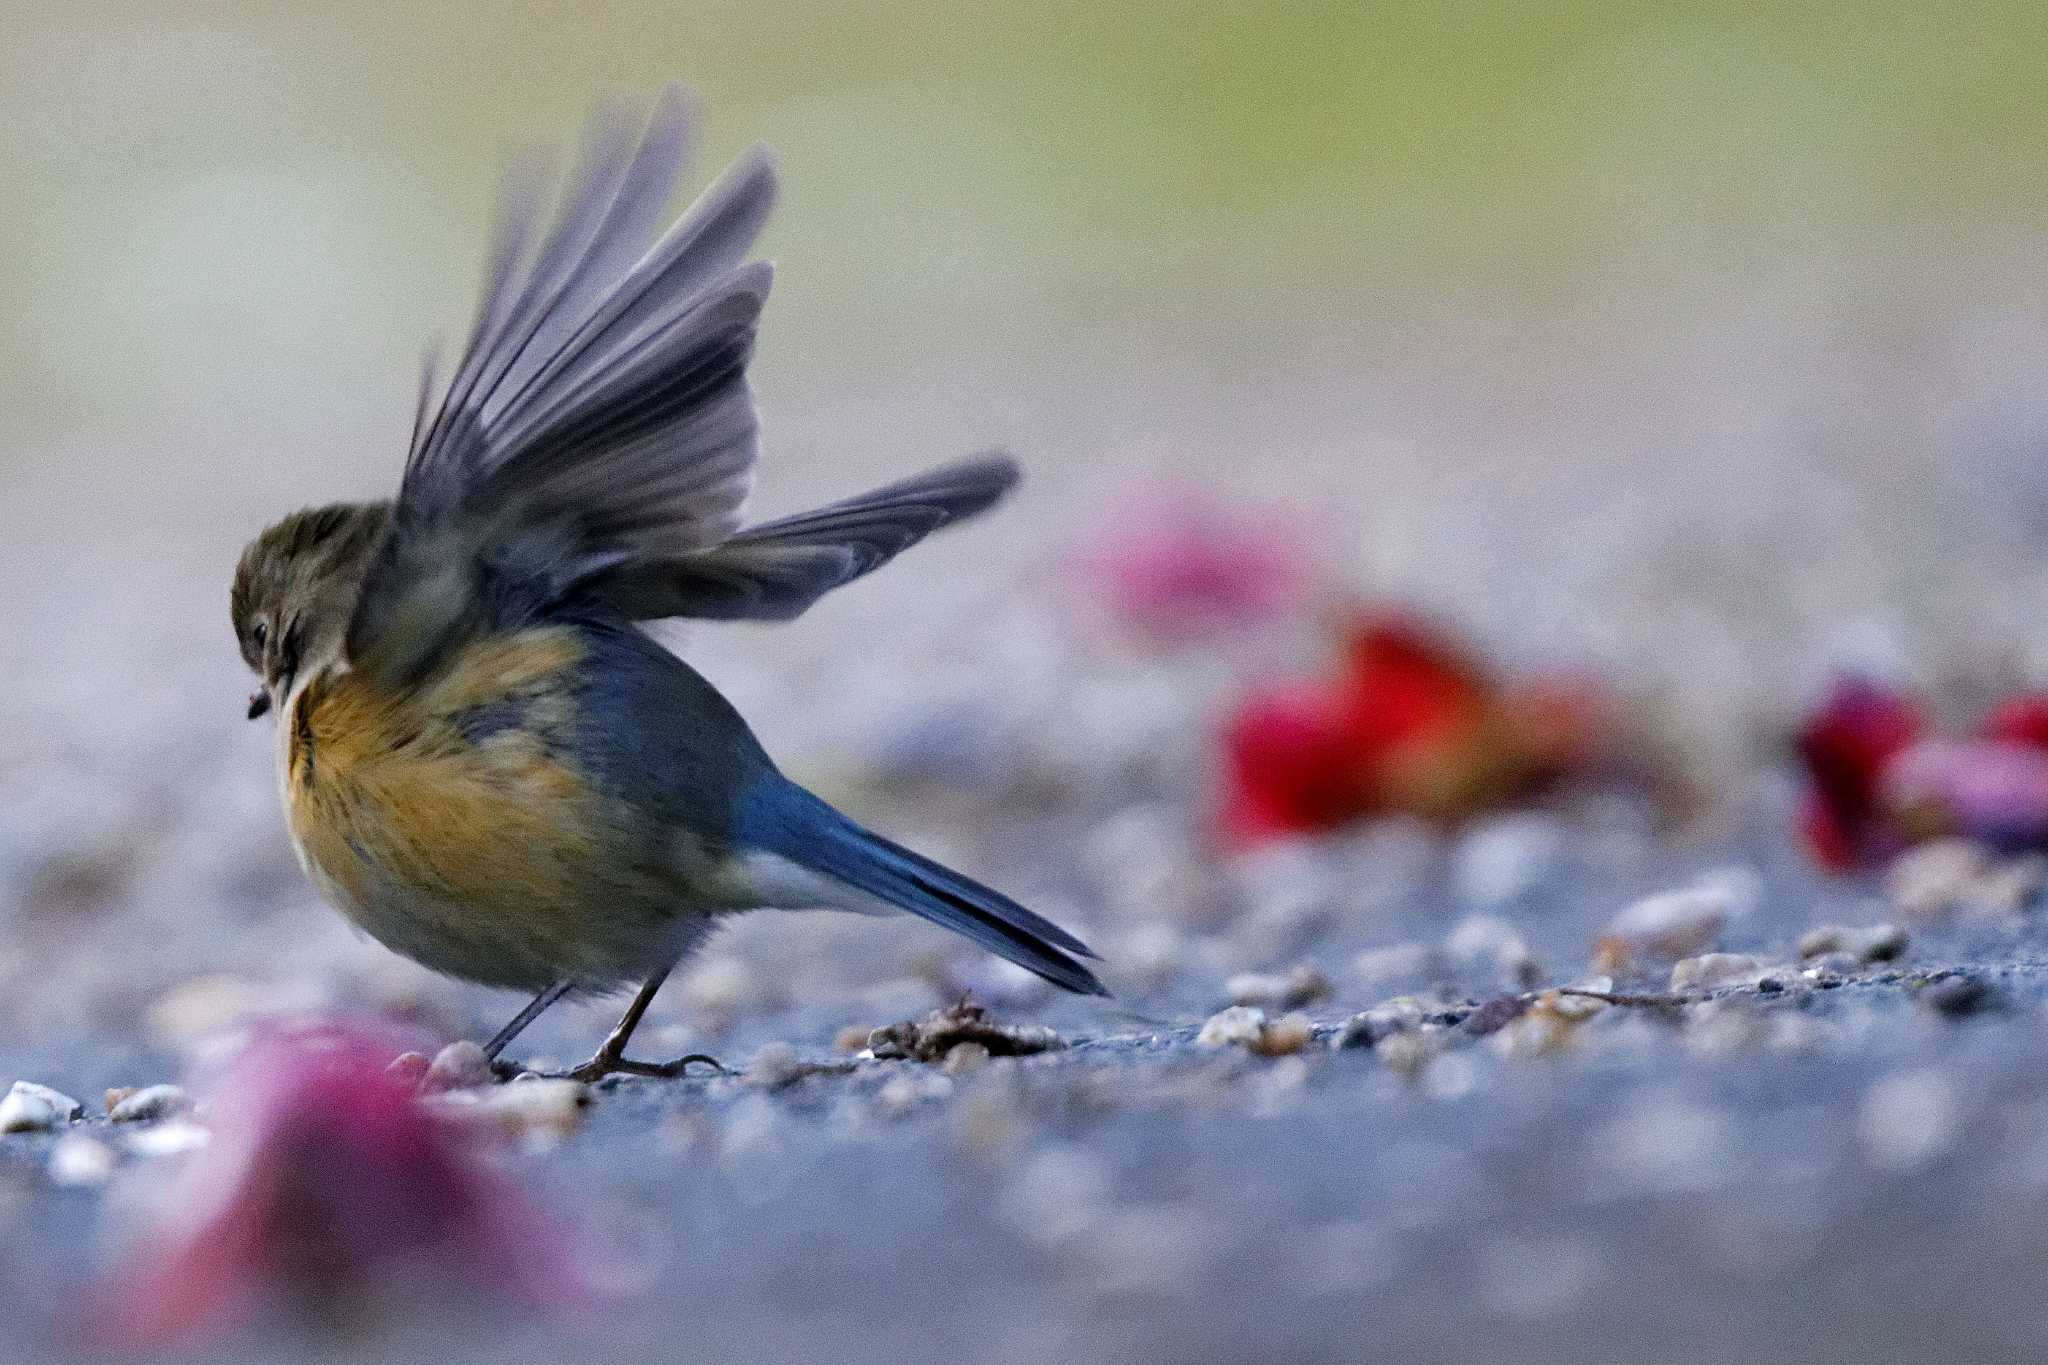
[1827,1160]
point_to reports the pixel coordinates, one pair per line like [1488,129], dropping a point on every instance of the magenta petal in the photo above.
[1992,790]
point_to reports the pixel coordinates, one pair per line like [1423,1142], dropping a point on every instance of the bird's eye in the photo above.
[259,633]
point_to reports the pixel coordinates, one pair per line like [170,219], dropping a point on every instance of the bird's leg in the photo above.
[534,1009]
[611,1058]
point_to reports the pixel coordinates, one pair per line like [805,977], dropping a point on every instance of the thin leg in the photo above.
[611,1057]
[534,1009]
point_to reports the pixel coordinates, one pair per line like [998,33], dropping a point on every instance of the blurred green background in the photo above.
[1540,308]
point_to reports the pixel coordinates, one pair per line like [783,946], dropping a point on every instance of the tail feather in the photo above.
[800,827]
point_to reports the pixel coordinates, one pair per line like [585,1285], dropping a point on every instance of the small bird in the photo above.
[485,762]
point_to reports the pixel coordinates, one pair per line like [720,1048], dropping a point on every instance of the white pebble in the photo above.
[1908,1119]
[1669,925]
[1505,858]
[76,1159]
[1870,943]
[32,1108]
[1712,971]
[150,1102]
[168,1139]
[1238,1026]
[459,1066]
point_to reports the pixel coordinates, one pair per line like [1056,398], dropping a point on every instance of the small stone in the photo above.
[1503,859]
[1495,1015]
[1377,966]
[78,1160]
[32,1108]
[1666,927]
[410,1068]
[1928,881]
[774,1066]
[906,1090]
[168,1139]
[1373,1026]
[718,988]
[537,1113]
[1238,1026]
[852,1038]
[1542,1030]
[1714,971]
[191,1012]
[1285,1036]
[1830,966]
[149,1104]
[1409,1052]
[962,1058]
[1304,985]
[1482,938]
[459,1066]
[929,1039]
[1958,996]
[1871,943]
[1909,1119]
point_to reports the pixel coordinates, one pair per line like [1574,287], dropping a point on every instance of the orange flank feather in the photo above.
[485,856]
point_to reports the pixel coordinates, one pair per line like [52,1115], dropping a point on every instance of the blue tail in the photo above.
[785,819]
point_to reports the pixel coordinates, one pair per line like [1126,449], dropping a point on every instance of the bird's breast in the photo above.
[456,798]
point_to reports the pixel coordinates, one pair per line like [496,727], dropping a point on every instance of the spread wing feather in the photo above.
[600,412]
[776,570]
[596,440]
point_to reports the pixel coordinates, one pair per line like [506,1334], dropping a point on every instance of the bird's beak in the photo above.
[259,703]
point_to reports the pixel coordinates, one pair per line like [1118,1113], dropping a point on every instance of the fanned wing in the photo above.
[600,414]
[775,571]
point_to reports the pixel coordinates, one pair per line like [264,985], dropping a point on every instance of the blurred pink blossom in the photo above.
[329,1195]
[1176,564]
[1991,790]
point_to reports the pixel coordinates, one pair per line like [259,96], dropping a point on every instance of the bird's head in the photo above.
[295,589]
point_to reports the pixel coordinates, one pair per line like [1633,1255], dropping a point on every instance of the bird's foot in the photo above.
[607,1063]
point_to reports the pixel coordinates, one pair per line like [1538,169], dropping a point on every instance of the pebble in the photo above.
[1495,1015]
[1540,1031]
[1304,985]
[1870,943]
[1479,938]
[538,1113]
[32,1108]
[194,1011]
[1958,996]
[1409,1052]
[1909,1119]
[150,1103]
[1238,1026]
[171,1138]
[1713,971]
[717,988]
[459,1066]
[1928,881]
[1377,966]
[410,1068]
[1666,926]
[1383,1021]
[929,1039]
[79,1160]
[962,1058]
[908,1089]
[1248,1028]
[1503,859]
[773,1066]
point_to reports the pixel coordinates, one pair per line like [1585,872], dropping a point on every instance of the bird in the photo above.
[486,761]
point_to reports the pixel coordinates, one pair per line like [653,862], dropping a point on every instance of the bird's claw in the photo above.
[612,1064]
